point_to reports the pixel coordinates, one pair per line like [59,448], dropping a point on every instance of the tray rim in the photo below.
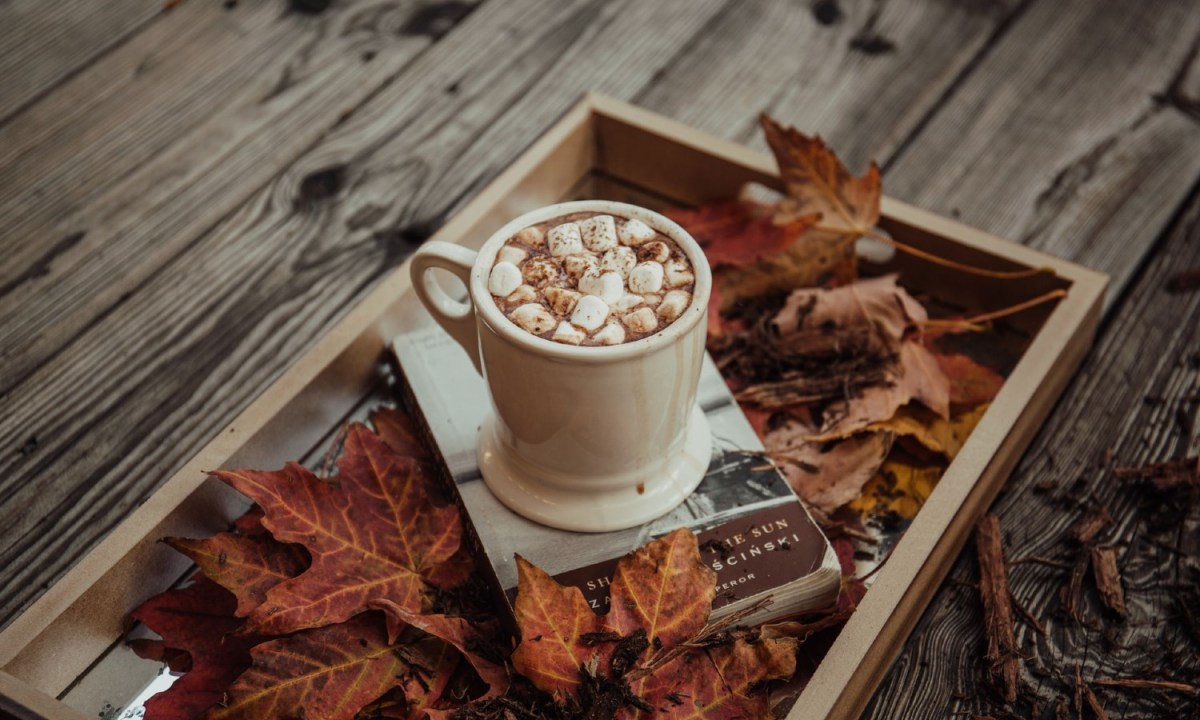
[845,679]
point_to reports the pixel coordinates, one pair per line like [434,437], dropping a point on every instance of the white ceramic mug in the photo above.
[581,438]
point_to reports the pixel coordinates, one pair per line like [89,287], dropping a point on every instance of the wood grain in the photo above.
[41,43]
[800,62]
[1061,138]
[1134,402]
[101,189]
[156,376]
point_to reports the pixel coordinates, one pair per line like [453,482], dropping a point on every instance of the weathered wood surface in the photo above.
[208,195]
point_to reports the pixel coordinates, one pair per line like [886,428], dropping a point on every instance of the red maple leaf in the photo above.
[198,631]
[373,533]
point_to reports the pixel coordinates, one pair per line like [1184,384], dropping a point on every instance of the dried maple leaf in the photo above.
[196,624]
[818,183]
[330,673]
[848,346]
[970,383]
[554,620]
[938,435]
[661,598]
[915,377]
[374,534]
[830,474]
[399,431]
[753,255]
[246,565]
[900,487]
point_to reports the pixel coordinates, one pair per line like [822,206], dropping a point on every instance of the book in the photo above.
[753,530]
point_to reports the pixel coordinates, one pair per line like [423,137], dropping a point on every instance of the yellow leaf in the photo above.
[945,437]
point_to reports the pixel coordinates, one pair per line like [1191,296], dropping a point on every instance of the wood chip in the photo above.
[1108,580]
[1166,476]
[1094,703]
[1069,594]
[1138,684]
[1087,527]
[1002,658]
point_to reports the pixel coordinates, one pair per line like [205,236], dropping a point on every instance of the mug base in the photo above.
[596,511]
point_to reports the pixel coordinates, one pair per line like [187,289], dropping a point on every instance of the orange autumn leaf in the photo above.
[734,232]
[900,487]
[661,598]
[328,673]
[754,255]
[399,431]
[248,565]
[938,435]
[970,383]
[818,183]
[374,534]
[717,683]
[554,620]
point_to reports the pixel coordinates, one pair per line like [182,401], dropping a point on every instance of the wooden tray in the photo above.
[64,656]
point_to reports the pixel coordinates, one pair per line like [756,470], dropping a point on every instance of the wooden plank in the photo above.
[808,65]
[110,176]
[1064,138]
[42,43]
[1133,402]
[156,376]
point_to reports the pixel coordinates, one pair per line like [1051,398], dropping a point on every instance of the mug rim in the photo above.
[489,312]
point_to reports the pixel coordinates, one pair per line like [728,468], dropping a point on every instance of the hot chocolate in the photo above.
[591,279]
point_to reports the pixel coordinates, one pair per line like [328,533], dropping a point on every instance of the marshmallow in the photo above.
[673,305]
[636,232]
[679,273]
[577,265]
[612,334]
[531,236]
[656,251]
[619,260]
[505,278]
[533,318]
[641,321]
[590,313]
[562,300]
[646,277]
[512,254]
[652,299]
[540,271]
[599,233]
[522,295]
[608,286]
[568,333]
[564,240]
[627,302]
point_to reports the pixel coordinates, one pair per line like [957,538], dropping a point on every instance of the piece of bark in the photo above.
[1166,476]
[1002,658]
[1139,684]
[1108,580]
[1094,703]
[1087,527]
[1069,594]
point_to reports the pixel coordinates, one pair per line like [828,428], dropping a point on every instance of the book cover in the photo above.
[752,529]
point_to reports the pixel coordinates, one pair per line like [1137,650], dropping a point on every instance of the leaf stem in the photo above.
[971,269]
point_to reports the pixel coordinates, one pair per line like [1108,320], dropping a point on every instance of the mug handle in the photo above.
[456,318]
